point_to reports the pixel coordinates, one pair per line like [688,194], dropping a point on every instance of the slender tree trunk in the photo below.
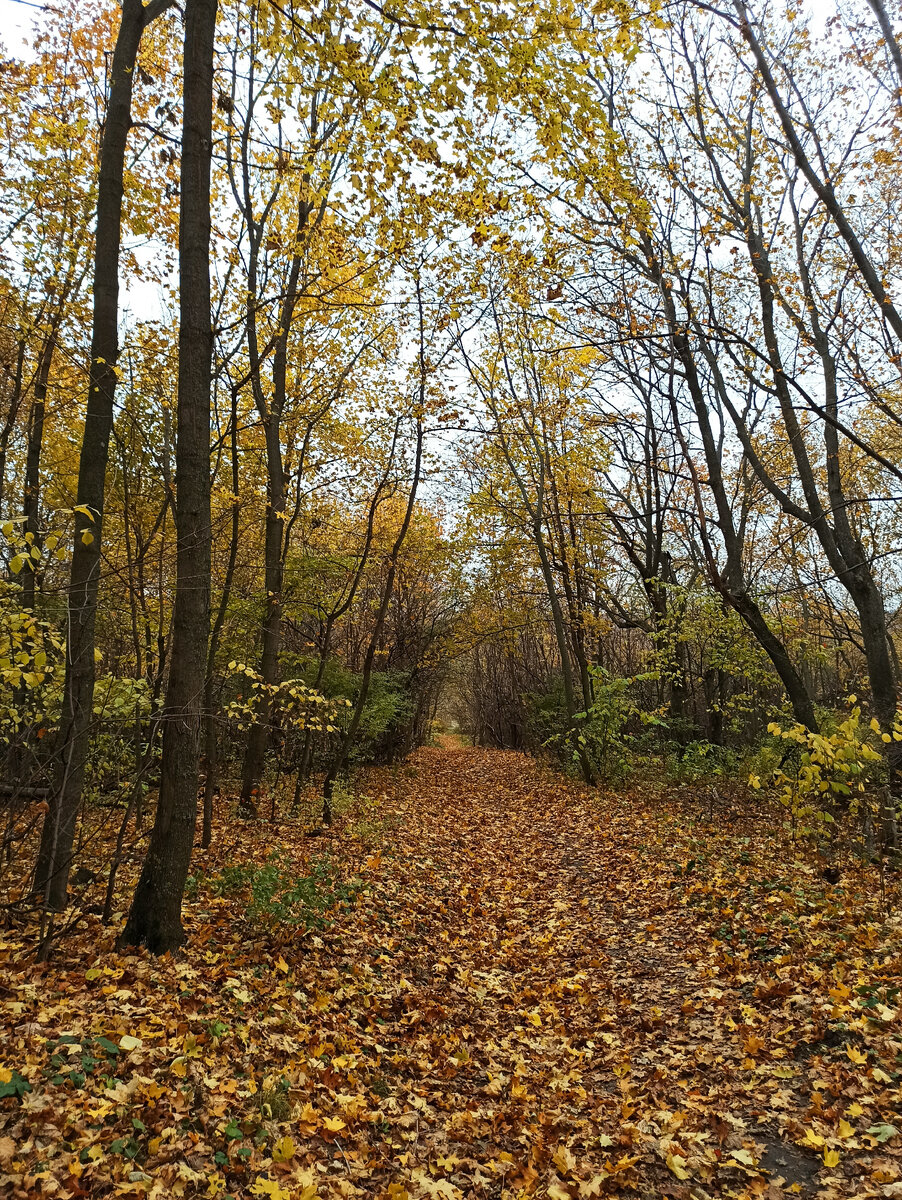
[12,412]
[277,531]
[58,833]
[31,499]
[155,919]
[841,545]
[332,617]
[259,733]
[341,756]
[731,583]
[799,697]
[211,751]
[821,185]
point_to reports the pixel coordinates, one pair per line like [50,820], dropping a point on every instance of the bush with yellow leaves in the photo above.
[821,774]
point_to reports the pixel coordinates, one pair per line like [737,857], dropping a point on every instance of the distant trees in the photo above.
[735,287]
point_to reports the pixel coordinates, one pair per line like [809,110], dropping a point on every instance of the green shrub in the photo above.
[821,773]
[610,731]
[278,895]
[704,760]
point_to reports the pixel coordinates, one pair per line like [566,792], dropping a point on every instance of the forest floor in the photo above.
[537,991]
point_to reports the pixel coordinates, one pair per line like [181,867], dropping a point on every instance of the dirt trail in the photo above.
[561,1025]
[540,991]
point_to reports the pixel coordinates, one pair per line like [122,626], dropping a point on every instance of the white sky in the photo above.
[17,18]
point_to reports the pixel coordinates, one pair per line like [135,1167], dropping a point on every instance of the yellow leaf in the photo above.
[284,1150]
[626,1163]
[534,1018]
[831,1158]
[813,1139]
[179,1067]
[594,1186]
[856,1056]
[564,1160]
[269,1187]
[677,1165]
[743,1156]
[127,1042]
[333,1124]
[281,965]
[845,1129]
[855,1109]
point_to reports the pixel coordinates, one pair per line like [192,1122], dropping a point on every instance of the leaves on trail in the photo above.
[528,997]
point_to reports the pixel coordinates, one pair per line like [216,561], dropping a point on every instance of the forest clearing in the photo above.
[537,990]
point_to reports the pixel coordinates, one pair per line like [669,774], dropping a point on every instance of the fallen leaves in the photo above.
[527,998]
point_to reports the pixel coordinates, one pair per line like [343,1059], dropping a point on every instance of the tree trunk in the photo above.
[31,499]
[341,756]
[258,735]
[277,531]
[211,751]
[155,919]
[731,582]
[57,835]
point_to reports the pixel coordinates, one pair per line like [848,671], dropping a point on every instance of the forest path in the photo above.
[558,1015]
[539,991]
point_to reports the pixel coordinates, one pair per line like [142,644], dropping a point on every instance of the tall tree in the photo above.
[55,855]
[155,918]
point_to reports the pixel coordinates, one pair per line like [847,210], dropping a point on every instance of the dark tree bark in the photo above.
[31,498]
[12,396]
[821,185]
[275,541]
[730,582]
[58,832]
[155,919]
[211,748]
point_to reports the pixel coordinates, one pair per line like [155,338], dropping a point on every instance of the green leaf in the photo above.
[882,1133]
[16,1085]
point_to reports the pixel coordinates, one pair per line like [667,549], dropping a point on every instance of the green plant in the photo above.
[31,664]
[601,732]
[279,895]
[291,703]
[372,826]
[703,760]
[274,1102]
[818,769]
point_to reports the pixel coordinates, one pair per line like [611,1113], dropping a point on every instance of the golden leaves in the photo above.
[659,1047]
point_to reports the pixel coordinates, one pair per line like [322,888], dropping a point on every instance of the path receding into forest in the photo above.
[540,991]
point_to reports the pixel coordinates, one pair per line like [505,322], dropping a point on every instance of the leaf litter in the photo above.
[534,990]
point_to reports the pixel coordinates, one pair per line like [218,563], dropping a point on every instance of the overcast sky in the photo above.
[17,17]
